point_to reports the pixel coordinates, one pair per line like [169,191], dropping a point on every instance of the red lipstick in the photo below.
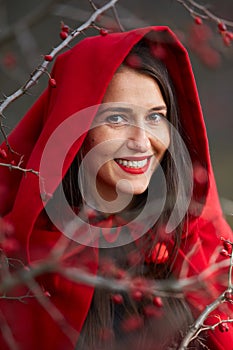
[134,170]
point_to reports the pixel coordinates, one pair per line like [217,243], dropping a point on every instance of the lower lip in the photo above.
[135,171]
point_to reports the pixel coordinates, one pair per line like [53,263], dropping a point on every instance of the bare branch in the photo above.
[93,5]
[202,12]
[43,67]
[117,19]
[17,167]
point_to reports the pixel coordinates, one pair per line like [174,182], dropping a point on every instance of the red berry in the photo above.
[120,274]
[103,32]
[132,323]
[65,28]
[137,295]
[139,283]
[227,246]
[3,153]
[48,58]
[10,245]
[222,27]
[223,327]
[63,35]
[224,252]
[226,40]
[117,298]
[151,311]
[229,35]
[229,296]
[157,301]
[52,82]
[198,20]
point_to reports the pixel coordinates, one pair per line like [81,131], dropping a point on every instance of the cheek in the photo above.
[90,141]
[166,140]
[161,141]
[95,150]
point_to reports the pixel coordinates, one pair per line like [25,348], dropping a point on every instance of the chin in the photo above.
[131,188]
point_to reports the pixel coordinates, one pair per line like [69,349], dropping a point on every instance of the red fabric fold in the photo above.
[82,75]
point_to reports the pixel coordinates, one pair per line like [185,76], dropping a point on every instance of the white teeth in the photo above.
[132,164]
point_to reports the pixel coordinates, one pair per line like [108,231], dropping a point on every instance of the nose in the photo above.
[138,140]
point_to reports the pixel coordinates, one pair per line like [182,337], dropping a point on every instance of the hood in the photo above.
[82,75]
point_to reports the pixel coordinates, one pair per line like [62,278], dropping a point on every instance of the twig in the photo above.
[17,167]
[117,19]
[43,67]
[93,5]
[203,12]
[30,19]
[197,326]
[230,273]
[4,134]
[53,311]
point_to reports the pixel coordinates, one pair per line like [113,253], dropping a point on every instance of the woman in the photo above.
[125,108]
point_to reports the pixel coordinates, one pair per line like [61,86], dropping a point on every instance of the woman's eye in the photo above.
[156,118]
[115,119]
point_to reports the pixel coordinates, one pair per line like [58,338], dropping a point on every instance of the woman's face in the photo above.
[129,135]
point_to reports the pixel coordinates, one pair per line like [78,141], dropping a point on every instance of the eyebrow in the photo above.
[128,110]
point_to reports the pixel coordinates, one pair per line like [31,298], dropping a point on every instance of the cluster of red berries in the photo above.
[52,81]
[64,31]
[139,292]
[227,249]
[229,296]
[223,327]
[135,322]
[199,41]
[227,36]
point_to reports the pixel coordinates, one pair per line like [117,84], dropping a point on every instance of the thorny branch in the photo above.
[159,288]
[17,167]
[199,325]
[42,68]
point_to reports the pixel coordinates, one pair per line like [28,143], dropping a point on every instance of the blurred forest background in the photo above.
[30,28]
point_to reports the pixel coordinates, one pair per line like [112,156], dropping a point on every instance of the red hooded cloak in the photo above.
[82,75]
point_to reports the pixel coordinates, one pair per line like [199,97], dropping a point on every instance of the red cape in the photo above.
[82,75]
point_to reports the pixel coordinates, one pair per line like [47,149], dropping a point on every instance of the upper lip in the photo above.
[135,158]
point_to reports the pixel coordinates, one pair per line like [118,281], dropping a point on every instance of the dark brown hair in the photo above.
[166,330]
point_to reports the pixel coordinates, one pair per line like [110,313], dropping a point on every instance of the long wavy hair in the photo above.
[166,330]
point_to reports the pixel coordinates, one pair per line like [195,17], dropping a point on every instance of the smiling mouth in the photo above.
[133,164]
